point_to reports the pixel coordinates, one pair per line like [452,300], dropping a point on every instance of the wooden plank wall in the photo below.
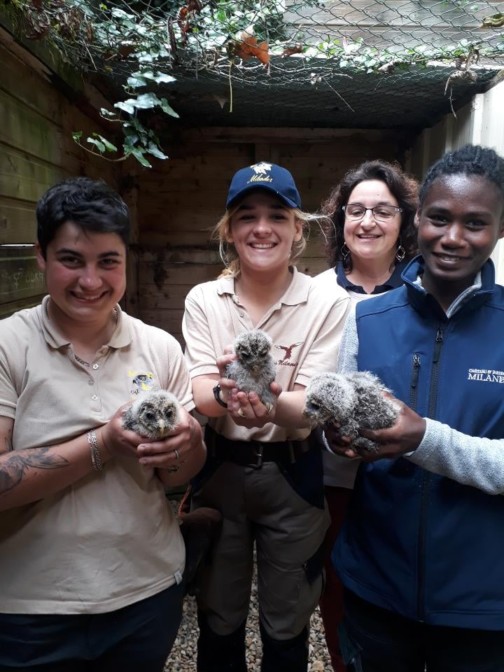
[181,200]
[36,151]
[174,206]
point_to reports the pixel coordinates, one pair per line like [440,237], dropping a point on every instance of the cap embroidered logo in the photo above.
[267,176]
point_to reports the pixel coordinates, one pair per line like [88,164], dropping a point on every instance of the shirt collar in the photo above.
[296,293]
[393,282]
[461,298]
[120,338]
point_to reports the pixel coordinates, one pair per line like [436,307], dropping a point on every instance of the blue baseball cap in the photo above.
[268,176]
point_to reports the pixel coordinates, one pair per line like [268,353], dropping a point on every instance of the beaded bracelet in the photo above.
[96,457]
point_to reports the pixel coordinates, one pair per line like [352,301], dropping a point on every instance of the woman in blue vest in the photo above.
[420,554]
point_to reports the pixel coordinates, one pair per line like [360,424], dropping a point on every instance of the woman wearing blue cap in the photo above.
[263,472]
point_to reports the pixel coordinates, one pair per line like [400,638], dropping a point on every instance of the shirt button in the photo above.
[96,366]
[94,397]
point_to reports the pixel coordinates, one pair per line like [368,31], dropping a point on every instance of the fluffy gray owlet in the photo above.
[355,401]
[254,368]
[152,414]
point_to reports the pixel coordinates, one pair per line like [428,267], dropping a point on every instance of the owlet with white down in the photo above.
[353,400]
[254,369]
[153,414]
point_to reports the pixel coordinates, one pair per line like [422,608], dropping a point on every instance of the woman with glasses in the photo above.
[370,238]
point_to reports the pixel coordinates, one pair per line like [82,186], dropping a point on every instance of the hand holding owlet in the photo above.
[152,414]
[355,401]
[254,368]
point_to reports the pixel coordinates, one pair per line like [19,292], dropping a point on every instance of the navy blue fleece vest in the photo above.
[417,543]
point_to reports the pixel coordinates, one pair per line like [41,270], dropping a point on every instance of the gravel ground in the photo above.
[183,655]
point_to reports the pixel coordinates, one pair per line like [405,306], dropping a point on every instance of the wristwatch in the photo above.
[216,393]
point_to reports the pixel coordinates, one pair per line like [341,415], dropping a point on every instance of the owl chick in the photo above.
[254,368]
[354,400]
[152,414]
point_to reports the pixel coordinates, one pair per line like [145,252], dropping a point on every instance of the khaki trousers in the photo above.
[260,507]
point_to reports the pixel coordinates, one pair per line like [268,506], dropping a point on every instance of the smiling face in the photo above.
[85,274]
[263,231]
[369,239]
[459,223]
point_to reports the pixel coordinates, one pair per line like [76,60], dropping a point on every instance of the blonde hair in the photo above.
[227,251]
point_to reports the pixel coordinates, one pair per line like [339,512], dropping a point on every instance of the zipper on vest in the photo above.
[435,372]
[414,381]
[427,477]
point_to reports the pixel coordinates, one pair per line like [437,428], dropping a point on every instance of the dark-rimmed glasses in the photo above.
[381,213]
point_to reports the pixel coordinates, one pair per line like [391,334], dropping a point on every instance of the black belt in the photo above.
[254,453]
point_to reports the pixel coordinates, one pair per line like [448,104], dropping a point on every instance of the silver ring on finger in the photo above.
[240,412]
[177,454]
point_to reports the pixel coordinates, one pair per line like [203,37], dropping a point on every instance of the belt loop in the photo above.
[258,452]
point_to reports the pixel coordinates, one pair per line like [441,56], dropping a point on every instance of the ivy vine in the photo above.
[141,46]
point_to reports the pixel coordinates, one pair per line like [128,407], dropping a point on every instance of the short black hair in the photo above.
[90,204]
[402,186]
[468,160]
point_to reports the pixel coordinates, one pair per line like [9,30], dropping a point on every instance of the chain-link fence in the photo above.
[341,63]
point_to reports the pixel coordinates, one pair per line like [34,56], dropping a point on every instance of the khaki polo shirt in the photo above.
[305,326]
[110,539]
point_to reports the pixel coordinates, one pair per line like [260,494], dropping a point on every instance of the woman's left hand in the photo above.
[183,448]
[247,409]
[403,437]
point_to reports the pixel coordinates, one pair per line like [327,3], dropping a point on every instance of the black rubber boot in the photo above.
[285,655]
[220,653]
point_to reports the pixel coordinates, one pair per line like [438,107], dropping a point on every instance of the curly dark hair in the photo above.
[403,187]
[468,160]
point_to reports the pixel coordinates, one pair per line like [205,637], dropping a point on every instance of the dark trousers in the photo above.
[137,637]
[378,640]
[331,600]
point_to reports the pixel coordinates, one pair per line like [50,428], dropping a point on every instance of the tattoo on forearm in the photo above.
[14,469]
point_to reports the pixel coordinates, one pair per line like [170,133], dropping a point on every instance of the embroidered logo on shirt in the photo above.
[486,375]
[288,350]
[141,381]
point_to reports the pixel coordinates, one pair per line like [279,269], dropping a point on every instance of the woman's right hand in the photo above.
[338,444]
[226,384]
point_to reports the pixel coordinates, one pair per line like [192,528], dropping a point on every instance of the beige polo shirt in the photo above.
[304,325]
[111,538]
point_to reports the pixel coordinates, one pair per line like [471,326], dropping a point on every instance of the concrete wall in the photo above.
[480,122]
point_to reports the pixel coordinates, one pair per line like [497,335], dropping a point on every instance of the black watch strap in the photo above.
[216,393]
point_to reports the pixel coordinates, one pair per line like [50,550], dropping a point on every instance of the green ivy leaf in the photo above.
[167,109]
[155,151]
[109,147]
[136,81]
[97,143]
[126,105]
[146,101]
[108,114]
[140,157]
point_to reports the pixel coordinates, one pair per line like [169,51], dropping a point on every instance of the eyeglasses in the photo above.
[381,213]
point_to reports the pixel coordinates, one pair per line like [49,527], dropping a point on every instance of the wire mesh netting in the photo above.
[351,63]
